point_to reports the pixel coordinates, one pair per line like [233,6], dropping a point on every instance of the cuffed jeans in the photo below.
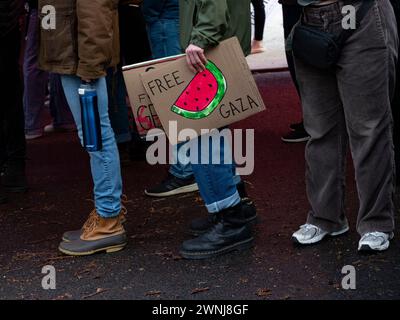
[217,182]
[352,103]
[105,164]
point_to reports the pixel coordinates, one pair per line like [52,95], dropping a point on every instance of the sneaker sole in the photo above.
[319,239]
[239,246]
[295,140]
[110,249]
[186,189]
[367,248]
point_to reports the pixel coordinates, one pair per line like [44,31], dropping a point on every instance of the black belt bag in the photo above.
[322,49]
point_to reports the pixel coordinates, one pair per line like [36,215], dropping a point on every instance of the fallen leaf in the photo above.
[264,292]
[152,293]
[98,291]
[199,290]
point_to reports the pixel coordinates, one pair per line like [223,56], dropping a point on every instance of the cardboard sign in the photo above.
[223,94]
[145,115]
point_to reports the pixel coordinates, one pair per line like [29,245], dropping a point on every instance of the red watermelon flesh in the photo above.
[200,92]
[203,94]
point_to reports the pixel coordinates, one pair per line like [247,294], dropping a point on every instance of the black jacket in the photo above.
[10,11]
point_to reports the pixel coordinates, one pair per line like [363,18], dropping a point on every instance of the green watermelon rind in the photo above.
[196,115]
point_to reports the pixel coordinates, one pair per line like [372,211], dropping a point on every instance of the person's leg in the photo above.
[326,150]
[59,110]
[103,231]
[35,81]
[259,19]
[12,137]
[259,25]
[396,103]
[291,15]
[366,78]
[104,164]
[164,42]
[118,107]
[230,230]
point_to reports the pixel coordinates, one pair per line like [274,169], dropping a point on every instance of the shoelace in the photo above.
[88,222]
[92,223]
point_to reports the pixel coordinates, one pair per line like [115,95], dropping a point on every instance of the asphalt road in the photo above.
[150,266]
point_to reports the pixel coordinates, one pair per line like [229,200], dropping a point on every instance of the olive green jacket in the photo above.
[205,23]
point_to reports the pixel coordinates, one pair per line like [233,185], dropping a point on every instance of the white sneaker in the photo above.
[309,234]
[375,241]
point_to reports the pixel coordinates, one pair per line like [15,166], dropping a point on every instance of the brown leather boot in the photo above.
[99,234]
[76,234]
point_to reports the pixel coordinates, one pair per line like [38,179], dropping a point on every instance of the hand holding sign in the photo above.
[195,58]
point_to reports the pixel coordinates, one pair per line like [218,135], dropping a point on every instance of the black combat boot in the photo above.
[13,176]
[202,225]
[231,232]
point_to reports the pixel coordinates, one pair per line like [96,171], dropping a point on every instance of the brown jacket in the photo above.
[85,41]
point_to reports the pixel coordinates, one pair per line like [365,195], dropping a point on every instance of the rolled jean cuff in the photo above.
[229,202]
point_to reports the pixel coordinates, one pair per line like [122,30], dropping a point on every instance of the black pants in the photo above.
[291,15]
[396,101]
[259,19]
[12,133]
[132,51]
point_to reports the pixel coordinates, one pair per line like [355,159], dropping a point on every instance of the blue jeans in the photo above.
[118,108]
[164,42]
[217,182]
[105,164]
[164,38]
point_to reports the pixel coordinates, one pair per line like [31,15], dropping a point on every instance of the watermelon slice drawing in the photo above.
[203,94]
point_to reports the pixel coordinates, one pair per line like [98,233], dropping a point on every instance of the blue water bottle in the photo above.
[91,127]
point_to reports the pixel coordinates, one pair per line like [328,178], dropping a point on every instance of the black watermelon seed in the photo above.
[210,85]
